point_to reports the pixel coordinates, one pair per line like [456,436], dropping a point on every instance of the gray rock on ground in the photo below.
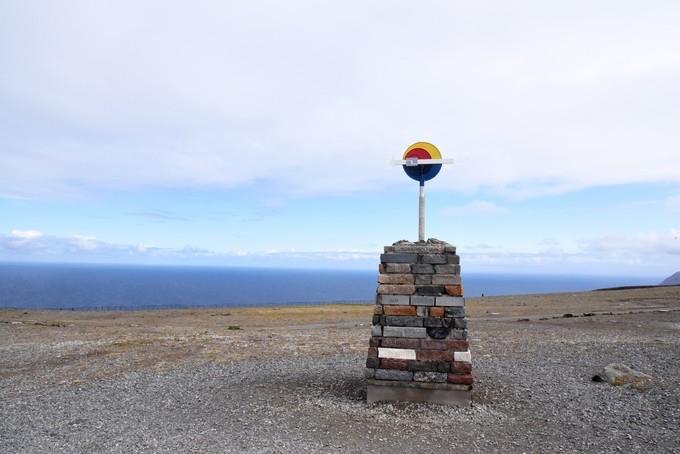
[620,374]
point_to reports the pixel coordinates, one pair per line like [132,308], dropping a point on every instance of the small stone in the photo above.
[620,374]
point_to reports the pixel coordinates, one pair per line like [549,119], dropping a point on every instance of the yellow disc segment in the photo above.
[434,151]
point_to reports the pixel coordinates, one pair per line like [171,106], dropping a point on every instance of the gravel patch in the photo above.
[533,393]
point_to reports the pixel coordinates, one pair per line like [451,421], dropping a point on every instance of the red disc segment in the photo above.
[418,153]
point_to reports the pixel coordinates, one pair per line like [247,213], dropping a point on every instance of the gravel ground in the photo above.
[533,394]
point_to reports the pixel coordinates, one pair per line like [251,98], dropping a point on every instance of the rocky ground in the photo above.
[290,380]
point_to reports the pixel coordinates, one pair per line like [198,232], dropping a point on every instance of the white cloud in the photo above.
[531,98]
[26,234]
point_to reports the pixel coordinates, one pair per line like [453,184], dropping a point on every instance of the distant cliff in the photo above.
[672,280]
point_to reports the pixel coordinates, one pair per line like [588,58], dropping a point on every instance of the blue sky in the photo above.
[261,134]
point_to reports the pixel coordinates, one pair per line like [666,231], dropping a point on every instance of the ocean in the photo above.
[121,287]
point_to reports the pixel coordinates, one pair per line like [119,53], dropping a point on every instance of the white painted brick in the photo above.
[396,353]
[457,301]
[464,357]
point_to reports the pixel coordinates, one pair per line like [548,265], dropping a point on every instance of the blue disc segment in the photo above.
[423,173]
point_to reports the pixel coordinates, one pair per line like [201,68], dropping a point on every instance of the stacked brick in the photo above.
[418,348]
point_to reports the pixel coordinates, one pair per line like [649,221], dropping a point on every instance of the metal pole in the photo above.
[421,213]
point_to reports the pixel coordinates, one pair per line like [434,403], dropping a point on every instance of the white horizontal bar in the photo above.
[396,353]
[420,162]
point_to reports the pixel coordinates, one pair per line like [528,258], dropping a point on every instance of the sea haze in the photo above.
[67,286]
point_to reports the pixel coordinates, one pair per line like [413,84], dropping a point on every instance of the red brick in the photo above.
[389,363]
[398,342]
[454,290]
[372,352]
[458,345]
[460,379]
[399,310]
[427,344]
[461,368]
[436,312]
[433,355]
[374,342]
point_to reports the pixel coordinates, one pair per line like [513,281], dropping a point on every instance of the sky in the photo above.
[262,133]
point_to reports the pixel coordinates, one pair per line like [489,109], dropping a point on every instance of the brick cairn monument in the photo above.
[418,350]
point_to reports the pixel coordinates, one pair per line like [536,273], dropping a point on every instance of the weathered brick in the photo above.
[396,289]
[374,341]
[398,258]
[445,279]
[460,334]
[433,259]
[395,320]
[369,373]
[458,367]
[423,279]
[436,312]
[396,278]
[428,344]
[431,377]
[429,366]
[419,300]
[430,290]
[421,311]
[376,331]
[458,345]
[434,355]
[453,259]
[453,311]
[396,268]
[389,363]
[454,290]
[460,323]
[399,310]
[432,322]
[438,333]
[450,301]
[424,366]
[372,362]
[378,309]
[447,269]
[394,300]
[464,357]
[459,379]
[393,374]
[372,352]
[378,320]
[396,353]
[405,331]
[396,342]
[422,269]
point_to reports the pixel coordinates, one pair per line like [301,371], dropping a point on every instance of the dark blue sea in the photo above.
[62,286]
